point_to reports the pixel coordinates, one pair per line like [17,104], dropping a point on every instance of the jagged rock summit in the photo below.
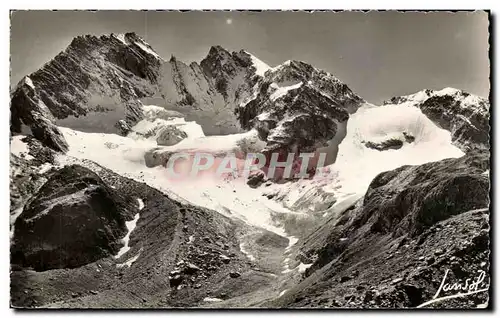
[299,108]
[465,115]
[99,84]
[93,85]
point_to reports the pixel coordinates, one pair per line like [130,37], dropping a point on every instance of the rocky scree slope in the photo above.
[391,248]
[179,254]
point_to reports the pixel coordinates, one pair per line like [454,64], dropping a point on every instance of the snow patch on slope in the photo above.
[146,49]
[244,251]
[212,299]
[45,167]
[302,267]
[28,82]
[291,242]
[141,44]
[13,218]
[141,204]
[260,66]
[130,227]
[121,37]
[130,261]
[19,148]
[281,91]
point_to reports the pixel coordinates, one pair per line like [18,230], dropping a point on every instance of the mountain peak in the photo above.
[133,36]
[217,49]
[465,115]
[130,39]
[217,52]
[425,94]
[26,81]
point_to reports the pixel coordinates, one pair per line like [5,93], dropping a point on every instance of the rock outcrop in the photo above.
[169,136]
[391,143]
[30,116]
[298,107]
[179,254]
[434,215]
[74,219]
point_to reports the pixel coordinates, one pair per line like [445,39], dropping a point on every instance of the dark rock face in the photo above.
[469,126]
[465,115]
[298,108]
[74,219]
[412,198]
[28,112]
[234,274]
[393,143]
[224,67]
[92,85]
[385,145]
[413,223]
[256,179]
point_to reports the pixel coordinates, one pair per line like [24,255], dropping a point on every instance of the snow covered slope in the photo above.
[347,180]
[125,156]
[465,115]
[357,164]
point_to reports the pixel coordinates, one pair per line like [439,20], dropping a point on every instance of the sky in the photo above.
[377,54]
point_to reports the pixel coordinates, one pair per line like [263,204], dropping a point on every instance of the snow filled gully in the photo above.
[130,227]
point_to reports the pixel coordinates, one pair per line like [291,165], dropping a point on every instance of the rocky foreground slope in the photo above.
[179,255]
[393,247]
[85,236]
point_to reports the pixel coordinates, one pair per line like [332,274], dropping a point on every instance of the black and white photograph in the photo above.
[245,159]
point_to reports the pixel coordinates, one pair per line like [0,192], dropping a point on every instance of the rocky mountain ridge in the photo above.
[465,115]
[98,84]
